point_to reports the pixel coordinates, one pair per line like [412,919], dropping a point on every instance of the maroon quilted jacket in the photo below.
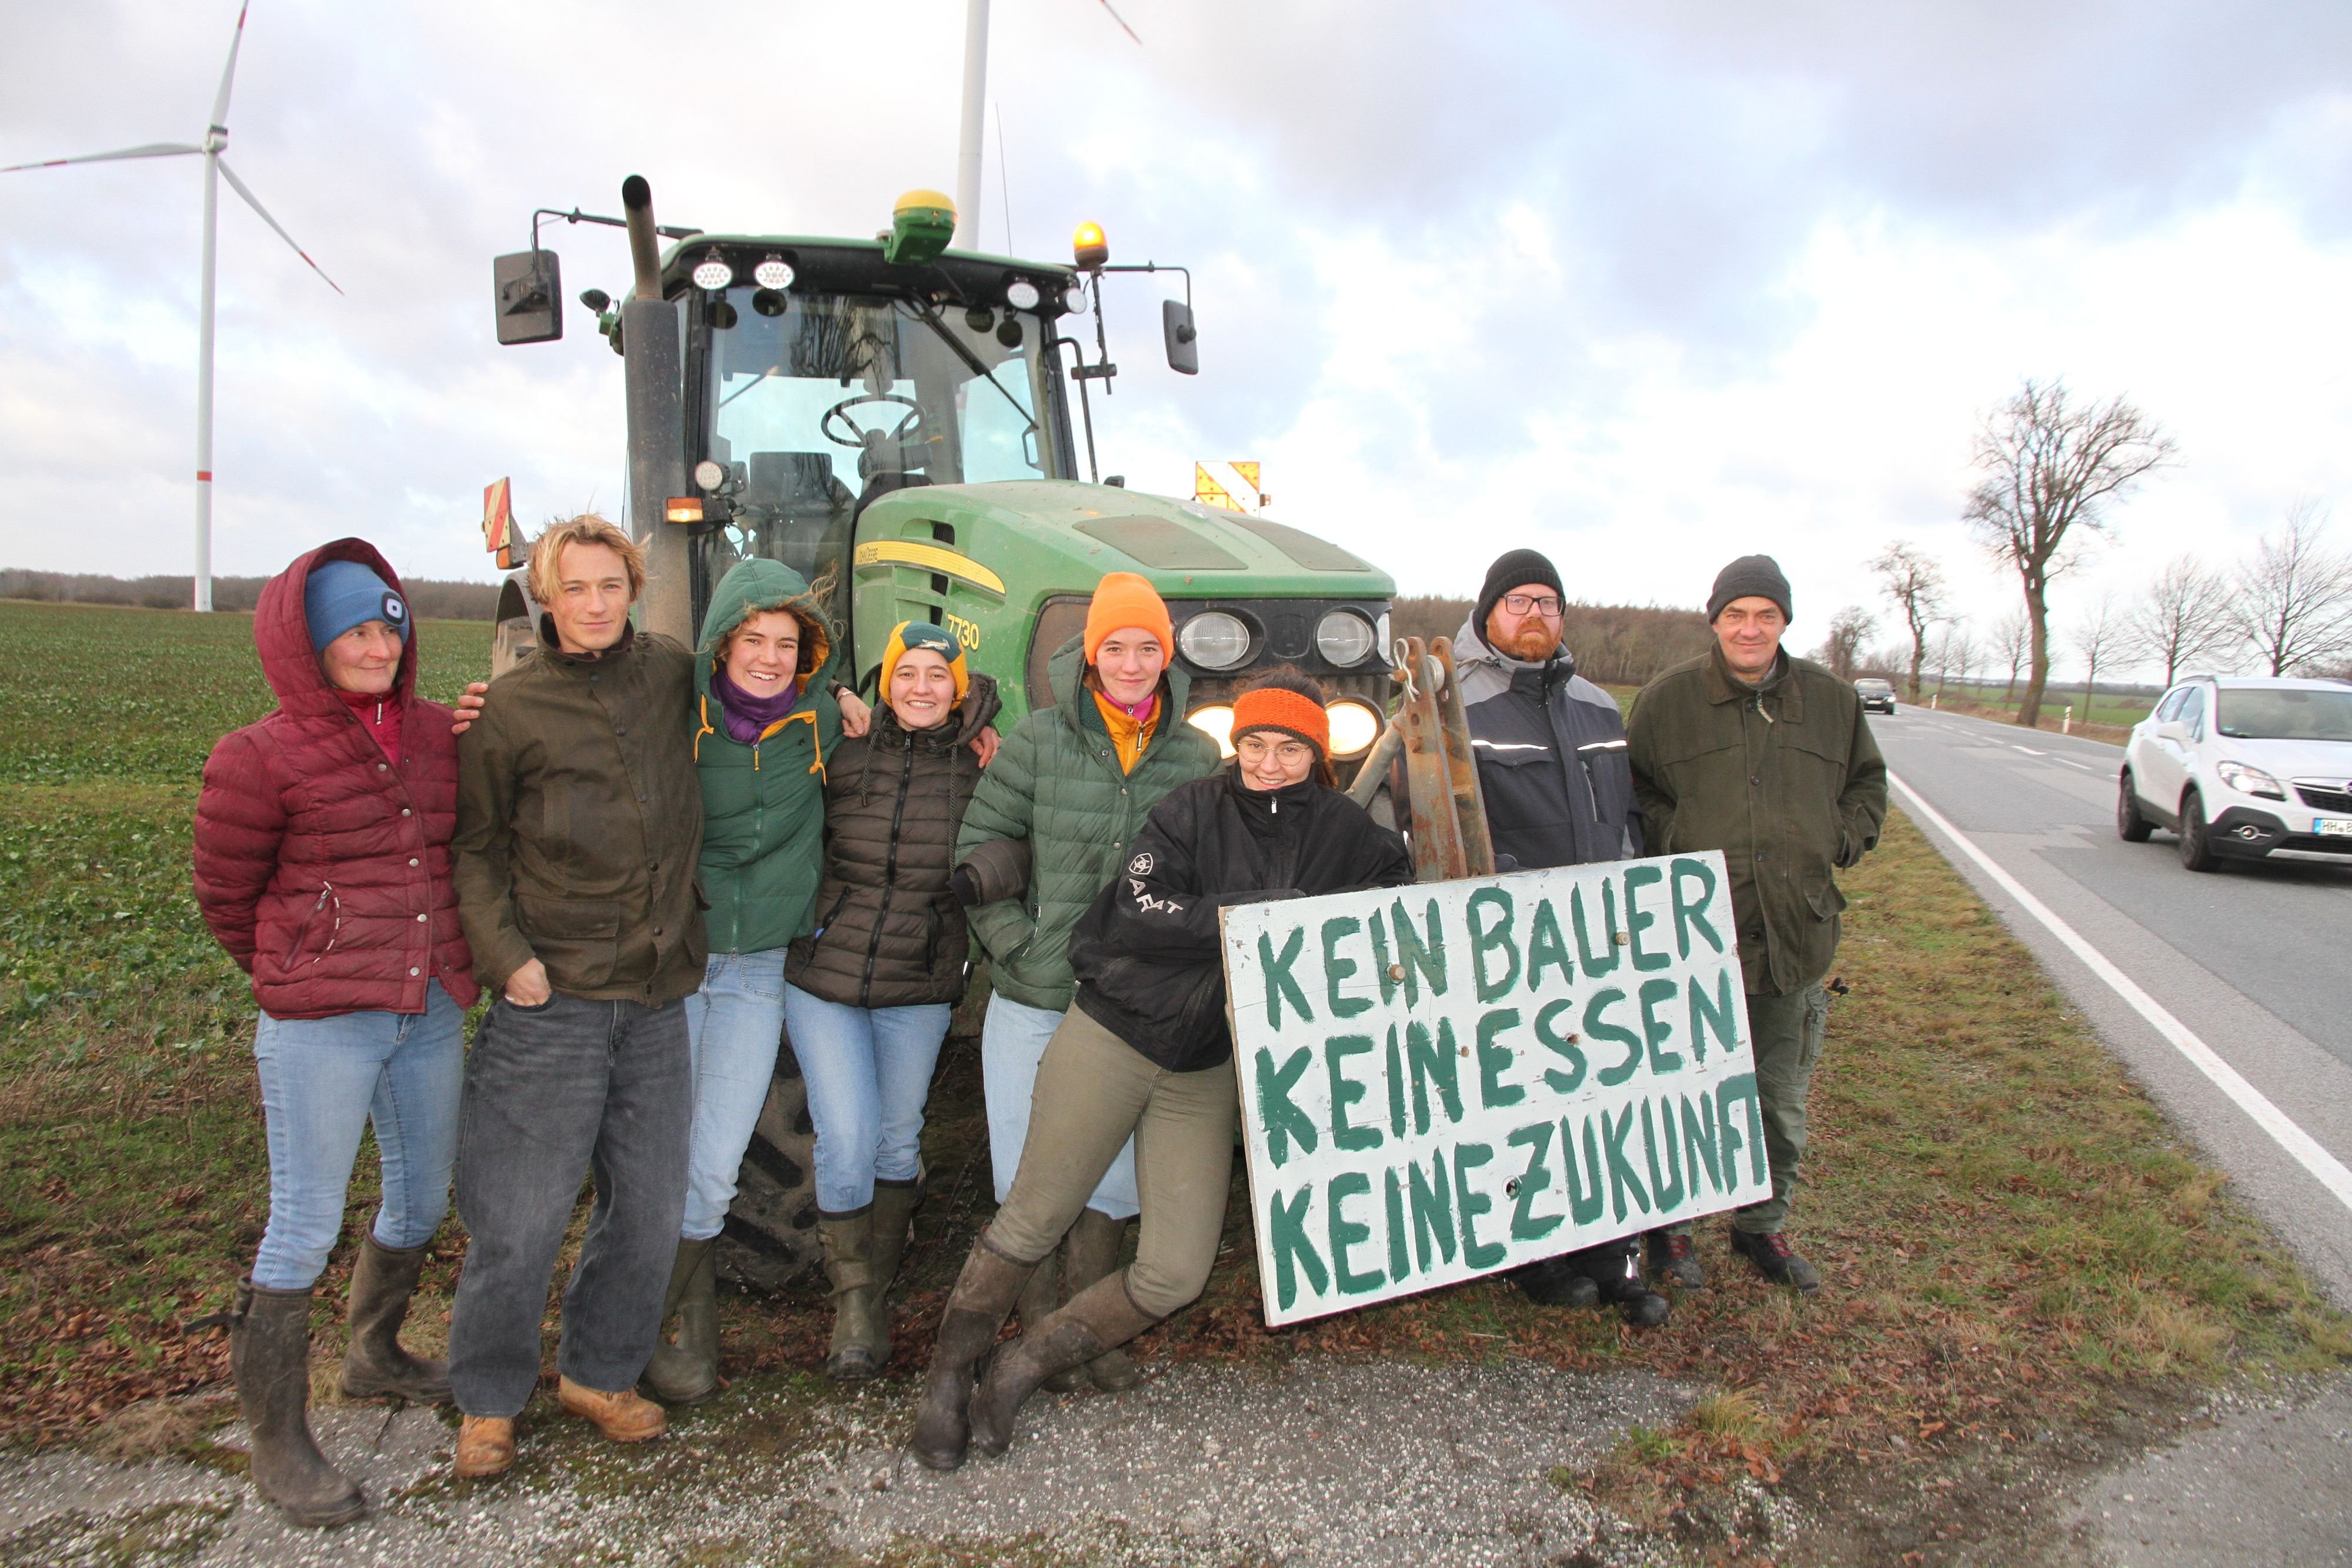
[322,866]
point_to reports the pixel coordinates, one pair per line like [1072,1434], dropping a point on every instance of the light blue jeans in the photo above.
[323,1080]
[1012,1040]
[868,1071]
[732,1026]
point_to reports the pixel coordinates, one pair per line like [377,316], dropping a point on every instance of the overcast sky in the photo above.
[1644,286]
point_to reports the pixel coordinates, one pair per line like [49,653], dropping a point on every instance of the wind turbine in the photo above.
[975,99]
[216,168]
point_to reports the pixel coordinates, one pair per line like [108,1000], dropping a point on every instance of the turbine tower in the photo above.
[216,168]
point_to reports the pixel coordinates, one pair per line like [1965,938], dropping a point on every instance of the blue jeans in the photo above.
[732,1026]
[322,1080]
[1012,1041]
[868,1071]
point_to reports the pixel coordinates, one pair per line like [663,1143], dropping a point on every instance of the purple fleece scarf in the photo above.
[747,718]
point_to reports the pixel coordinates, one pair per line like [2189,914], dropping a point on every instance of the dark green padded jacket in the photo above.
[764,804]
[1056,784]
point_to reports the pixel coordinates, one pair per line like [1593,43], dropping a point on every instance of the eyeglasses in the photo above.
[1542,604]
[1255,748]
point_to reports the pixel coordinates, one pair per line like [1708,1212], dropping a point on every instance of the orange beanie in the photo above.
[1285,712]
[1123,600]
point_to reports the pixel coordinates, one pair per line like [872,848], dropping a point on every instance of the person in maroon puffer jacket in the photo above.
[322,864]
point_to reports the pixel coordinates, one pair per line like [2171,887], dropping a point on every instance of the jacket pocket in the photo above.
[577,938]
[1824,899]
[314,933]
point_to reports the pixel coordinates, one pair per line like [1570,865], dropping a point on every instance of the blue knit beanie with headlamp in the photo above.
[342,594]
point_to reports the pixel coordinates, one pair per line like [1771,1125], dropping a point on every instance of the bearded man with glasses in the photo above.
[1552,766]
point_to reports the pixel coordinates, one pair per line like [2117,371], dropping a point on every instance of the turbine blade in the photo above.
[152,150]
[1122,22]
[228,72]
[255,203]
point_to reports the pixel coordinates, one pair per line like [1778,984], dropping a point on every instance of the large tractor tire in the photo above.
[771,1238]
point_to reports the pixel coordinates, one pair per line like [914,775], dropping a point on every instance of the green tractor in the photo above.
[894,417]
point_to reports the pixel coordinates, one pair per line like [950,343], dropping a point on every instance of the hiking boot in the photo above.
[382,1280]
[1556,1283]
[627,1416]
[1091,1253]
[860,1344]
[686,1373]
[1769,1251]
[1100,1318]
[486,1447]
[1672,1260]
[269,1356]
[1616,1270]
[982,1298]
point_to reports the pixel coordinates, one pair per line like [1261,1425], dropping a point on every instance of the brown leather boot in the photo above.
[374,1364]
[627,1416]
[983,1296]
[686,1373]
[269,1356]
[486,1447]
[1091,1253]
[1103,1317]
[848,1240]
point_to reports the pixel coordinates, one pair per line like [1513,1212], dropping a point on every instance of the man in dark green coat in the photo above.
[1768,759]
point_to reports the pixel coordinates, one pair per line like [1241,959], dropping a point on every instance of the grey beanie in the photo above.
[1751,575]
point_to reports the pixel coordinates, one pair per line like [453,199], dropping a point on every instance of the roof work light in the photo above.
[921,226]
[1089,246]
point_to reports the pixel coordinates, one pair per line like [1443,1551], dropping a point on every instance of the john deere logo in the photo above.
[1141,865]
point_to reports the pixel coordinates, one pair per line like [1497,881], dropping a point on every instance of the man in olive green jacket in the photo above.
[1768,759]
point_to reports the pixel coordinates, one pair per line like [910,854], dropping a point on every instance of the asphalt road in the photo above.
[2254,959]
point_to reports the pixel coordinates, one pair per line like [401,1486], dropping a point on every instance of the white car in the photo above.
[2242,769]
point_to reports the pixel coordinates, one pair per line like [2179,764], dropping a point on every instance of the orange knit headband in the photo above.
[1273,707]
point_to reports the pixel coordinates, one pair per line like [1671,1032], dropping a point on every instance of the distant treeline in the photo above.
[1617,644]
[432,599]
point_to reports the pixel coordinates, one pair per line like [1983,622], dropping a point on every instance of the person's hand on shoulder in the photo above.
[856,717]
[984,744]
[469,707]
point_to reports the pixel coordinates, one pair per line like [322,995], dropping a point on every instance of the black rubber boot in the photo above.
[848,1241]
[270,1355]
[1091,1253]
[1770,1252]
[982,1299]
[382,1280]
[1556,1282]
[1100,1318]
[1671,1260]
[686,1373]
[1616,1270]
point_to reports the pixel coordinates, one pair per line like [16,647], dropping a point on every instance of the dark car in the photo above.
[1877,695]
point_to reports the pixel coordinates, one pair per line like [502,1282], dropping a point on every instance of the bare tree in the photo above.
[1915,583]
[2185,615]
[2008,646]
[2294,601]
[1843,648]
[2051,469]
[1960,652]
[2099,636]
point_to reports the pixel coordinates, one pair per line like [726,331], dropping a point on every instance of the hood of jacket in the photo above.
[1065,673]
[281,633]
[1470,651]
[750,588]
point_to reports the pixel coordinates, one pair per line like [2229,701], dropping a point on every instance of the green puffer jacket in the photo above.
[764,804]
[1056,784]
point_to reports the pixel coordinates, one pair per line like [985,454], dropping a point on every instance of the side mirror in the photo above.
[1183,345]
[529,297]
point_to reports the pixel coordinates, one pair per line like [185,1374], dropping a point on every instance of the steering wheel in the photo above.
[864,439]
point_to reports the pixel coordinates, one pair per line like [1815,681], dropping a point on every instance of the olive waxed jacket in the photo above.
[1784,778]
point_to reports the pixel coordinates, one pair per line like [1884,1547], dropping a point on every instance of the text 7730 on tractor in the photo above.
[896,415]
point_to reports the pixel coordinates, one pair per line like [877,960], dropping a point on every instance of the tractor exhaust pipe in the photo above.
[645,244]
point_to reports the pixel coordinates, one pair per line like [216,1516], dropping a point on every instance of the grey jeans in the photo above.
[1092,1090]
[1788,1033]
[553,1094]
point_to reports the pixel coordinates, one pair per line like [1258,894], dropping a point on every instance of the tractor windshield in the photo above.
[820,403]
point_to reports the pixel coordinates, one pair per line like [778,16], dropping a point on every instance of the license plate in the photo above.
[2327,829]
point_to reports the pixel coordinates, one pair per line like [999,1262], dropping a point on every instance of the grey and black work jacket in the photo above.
[1551,758]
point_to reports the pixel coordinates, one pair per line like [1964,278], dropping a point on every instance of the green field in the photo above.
[2018,1247]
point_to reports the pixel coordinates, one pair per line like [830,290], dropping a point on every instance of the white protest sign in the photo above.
[1445,1079]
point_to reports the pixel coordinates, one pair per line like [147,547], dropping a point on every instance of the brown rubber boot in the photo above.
[1103,1317]
[982,1298]
[1041,1300]
[686,1373]
[848,1241]
[894,1213]
[270,1355]
[374,1364]
[1090,1254]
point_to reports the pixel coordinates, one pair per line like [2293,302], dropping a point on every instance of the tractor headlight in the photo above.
[1344,638]
[713,273]
[1021,294]
[1354,727]
[1214,641]
[1216,722]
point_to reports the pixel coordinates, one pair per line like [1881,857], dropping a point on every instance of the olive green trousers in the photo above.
[1787,1032]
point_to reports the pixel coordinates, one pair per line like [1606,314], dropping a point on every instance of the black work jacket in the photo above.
[1147,951]
[1551,758]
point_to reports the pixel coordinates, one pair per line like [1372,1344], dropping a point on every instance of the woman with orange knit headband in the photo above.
[1145,1050]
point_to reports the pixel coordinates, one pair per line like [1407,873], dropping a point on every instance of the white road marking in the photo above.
[2302,1146]
[2026,749]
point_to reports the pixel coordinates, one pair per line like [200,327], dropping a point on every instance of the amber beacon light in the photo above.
[1089,247]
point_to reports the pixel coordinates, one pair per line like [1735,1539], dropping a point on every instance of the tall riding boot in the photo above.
[686,1373]
[269,1354]
[894,1212]
[982,1298]
[848,1241]
[1103,1317]
[1090,1254]
[381,1282]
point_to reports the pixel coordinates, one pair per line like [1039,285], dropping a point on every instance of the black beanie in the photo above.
[1751,575]
[1516,568]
